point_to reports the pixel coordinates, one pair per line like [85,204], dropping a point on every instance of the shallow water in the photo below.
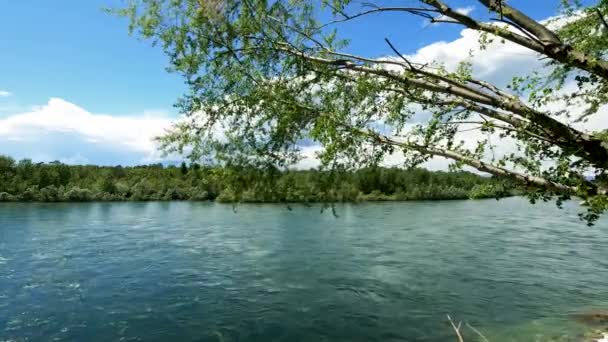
[378,272]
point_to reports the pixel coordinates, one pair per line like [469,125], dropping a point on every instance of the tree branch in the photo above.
[580,143]
[543,34]
[602,19]
[477,332]
[419,11]
[456,329]
[478,164]
[547,43]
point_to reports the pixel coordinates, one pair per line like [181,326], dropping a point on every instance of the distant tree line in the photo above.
[57,182]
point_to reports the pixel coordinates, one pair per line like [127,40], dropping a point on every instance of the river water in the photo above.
[185,271]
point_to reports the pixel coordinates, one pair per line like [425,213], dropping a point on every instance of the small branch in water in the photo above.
[477,332]
[456,328]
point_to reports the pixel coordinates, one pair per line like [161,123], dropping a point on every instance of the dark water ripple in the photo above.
[378,272]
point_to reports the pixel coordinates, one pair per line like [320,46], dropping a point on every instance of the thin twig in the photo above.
[599,14]
[469,129]
[477,332]
[401,56]
[338,10]
[456,328]
[511,23]
[419,11]
[500,9]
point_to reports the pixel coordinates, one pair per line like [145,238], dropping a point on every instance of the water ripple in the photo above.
[378,272]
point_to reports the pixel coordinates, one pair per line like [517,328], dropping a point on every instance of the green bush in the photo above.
[199,195]
[6,197]
[486,191]
[30,194]
[226,196]
[49,194]
[174,194]
[77,194]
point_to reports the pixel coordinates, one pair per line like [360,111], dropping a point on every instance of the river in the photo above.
[185,271]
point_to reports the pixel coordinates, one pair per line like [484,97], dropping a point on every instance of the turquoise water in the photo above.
[378,272]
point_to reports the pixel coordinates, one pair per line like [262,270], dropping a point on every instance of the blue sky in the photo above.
[82,58]
[73,50]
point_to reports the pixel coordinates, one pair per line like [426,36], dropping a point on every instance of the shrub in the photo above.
[49,194]
[486,191]
[174,194]
[30,194]
[226,196]
[199,195]
[6,197]
[77,194]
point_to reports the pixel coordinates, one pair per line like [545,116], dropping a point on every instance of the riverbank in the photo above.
[25,181]
[59,195]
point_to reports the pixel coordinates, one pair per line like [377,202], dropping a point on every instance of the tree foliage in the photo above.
[264,76]
[56,182]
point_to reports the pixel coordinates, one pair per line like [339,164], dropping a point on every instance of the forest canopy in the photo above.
[57,182]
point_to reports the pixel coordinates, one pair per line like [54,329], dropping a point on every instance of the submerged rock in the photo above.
[604,338]
[596,336]
[592,318]
[595,319]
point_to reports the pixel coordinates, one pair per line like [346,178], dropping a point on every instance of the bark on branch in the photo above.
[546,43]
[480,165]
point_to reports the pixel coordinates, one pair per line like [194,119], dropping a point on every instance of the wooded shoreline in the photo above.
[25,181]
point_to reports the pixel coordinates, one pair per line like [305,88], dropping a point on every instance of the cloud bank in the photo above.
[63,131]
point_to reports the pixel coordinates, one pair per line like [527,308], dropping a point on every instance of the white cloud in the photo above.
[443,18]
[4,93]
[64,131]
[309,160]
[461,10]
[465,10]
[498,63]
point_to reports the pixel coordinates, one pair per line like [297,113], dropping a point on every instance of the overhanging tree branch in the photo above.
[548,42]
[276,58]
[480,165]
[567,137]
